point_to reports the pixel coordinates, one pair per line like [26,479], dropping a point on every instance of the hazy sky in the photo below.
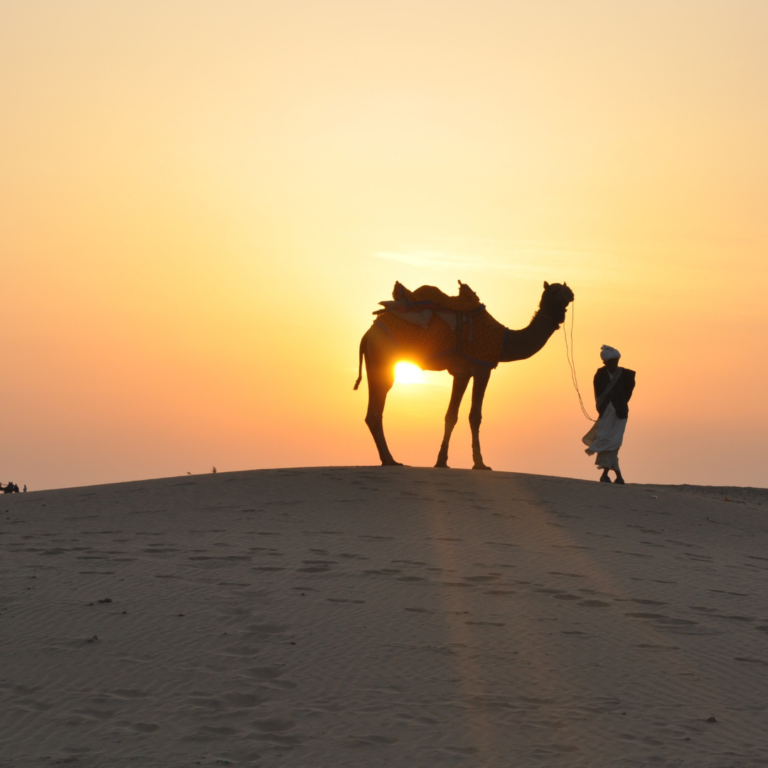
[201,204]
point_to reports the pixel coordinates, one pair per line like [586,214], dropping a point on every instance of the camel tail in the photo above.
[360,364]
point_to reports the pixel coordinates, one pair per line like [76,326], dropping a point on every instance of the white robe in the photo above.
[610,435]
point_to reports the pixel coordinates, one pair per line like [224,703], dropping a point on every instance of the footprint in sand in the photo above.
[243,700]
[41,706]
[268,629]
[680,622]
[659,647]
[145,727]
[129,693]
[96,714]
[485,623]
[267,673]
[370,741]
[275,725]
[342,600]
[209,733]
[596,592]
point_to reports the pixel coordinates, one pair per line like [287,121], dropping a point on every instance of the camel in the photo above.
[381,349]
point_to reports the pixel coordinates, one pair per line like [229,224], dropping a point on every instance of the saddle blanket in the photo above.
[430,325]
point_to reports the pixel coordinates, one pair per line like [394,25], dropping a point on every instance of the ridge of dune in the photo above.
[348,616]
[753,497]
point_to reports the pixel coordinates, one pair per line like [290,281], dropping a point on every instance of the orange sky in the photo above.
[201,204]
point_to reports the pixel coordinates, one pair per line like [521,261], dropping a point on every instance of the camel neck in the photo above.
[526,342]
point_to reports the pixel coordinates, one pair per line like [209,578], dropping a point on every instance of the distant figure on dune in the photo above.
[9,488]
[448,333]
[613,391]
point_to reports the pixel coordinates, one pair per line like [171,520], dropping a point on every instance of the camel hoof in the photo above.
[442,465]
[481,466]
[392,463]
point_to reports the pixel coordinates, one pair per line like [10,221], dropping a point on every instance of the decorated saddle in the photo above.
[429,325]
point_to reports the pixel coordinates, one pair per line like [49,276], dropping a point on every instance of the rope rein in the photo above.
[569,354]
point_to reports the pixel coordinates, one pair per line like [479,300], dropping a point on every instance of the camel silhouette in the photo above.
[391,340]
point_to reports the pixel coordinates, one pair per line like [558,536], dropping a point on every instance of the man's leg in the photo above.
[603,462]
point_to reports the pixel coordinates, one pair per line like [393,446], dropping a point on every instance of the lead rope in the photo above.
[569,354]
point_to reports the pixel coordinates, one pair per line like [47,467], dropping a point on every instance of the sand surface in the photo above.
[383,617]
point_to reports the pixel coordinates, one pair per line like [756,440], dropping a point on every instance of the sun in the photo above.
[408,373]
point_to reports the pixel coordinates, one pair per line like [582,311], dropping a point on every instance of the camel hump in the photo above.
[431,297]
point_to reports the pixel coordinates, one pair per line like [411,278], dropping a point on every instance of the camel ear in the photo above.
[546,285]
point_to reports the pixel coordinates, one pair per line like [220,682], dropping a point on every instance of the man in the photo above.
[613,390]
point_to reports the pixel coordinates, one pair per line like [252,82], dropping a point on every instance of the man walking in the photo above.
[613,390]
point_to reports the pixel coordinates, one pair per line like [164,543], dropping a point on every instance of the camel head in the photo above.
[555,300]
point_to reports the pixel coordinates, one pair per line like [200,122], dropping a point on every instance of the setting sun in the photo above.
[408,373]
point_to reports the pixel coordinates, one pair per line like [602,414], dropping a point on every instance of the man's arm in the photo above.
[629,384]
[594,384]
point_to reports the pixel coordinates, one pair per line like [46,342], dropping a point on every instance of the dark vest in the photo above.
[621,393]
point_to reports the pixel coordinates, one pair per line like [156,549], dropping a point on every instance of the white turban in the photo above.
[609,353]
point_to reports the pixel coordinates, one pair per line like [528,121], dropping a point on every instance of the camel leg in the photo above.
[460,383]
[380,381]
[476,416]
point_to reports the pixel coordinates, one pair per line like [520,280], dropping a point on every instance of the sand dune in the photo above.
[383,617]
